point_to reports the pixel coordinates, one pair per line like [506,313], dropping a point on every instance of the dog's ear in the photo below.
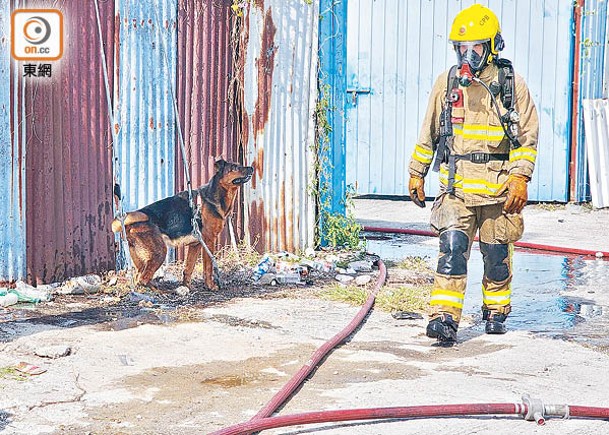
[219,164]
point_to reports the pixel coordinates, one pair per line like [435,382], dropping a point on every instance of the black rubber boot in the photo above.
[444,328]
[494,322]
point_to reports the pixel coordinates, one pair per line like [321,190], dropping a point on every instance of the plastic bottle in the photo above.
[8,299]
[289,278]
[27,293]
[263,267]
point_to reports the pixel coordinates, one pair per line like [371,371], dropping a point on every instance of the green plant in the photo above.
[338,230]
[404,299]
[239,6]
[418,264]
[11,373]
[388,299]
[352,295]
[245,255]
[342,231]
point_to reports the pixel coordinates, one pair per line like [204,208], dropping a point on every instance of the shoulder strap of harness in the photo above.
[452,81]
[446,127]
[506,82]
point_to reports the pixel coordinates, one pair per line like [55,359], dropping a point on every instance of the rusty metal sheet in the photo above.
[68,160]
[12,168]
[206,112]
[280,89]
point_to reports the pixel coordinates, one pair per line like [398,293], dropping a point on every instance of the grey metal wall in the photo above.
[280,80]
[12,164]
[67,143]
[396,49]
[145,75]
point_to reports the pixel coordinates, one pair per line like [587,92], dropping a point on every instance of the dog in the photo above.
[168,222]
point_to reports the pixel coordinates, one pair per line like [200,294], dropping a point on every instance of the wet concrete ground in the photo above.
[136,371]
[551,294]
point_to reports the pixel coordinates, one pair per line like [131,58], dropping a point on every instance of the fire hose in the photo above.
[530,409]
[525,245]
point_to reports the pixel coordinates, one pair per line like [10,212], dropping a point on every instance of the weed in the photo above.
[388,299]
[404,299]
[11,373]
[245,256]
[418,264]
[336,229]
[352,294]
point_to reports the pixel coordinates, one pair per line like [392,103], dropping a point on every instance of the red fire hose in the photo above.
[530,409]
[526,245]
[287,390]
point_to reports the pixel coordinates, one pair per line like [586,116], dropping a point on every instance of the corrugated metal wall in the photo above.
[592,82]
[145,116]
[12,164]
[280,79]
[207,116]
[66,130]
[396,50]
[204,74]
[69,181]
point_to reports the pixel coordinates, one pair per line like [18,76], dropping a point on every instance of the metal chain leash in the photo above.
[196,210]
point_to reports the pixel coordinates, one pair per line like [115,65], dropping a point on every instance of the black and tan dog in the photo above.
[168,222]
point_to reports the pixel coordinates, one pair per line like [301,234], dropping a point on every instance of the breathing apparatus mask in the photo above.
[472,58]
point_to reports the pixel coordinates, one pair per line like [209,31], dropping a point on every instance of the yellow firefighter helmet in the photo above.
[478,24]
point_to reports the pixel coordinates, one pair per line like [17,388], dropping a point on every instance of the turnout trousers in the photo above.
[457,225]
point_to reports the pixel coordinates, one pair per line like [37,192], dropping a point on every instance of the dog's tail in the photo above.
[131,218]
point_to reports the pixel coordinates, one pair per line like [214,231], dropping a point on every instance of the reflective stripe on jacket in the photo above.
[481,131]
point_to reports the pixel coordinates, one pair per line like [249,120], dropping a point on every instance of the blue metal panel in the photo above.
[591,81]
[396,50]
[145,117]
[332,73]
[12,168]
[539,42]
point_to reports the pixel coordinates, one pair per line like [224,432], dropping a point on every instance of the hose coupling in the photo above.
[535,410]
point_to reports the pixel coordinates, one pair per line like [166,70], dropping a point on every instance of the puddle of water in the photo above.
[228,381]
[539,303]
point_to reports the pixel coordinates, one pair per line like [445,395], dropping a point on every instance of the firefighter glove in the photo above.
[416,186]
[516,187]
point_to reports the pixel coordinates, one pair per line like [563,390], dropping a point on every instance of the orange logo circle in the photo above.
[462,30]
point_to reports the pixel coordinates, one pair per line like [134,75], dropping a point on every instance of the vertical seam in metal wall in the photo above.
[570,126]
[12,239]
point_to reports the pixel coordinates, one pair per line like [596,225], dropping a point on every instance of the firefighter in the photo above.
[482,124]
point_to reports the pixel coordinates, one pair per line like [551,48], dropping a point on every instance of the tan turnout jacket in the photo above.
[481,131]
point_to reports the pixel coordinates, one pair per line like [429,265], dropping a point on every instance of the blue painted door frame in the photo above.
[332,85]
